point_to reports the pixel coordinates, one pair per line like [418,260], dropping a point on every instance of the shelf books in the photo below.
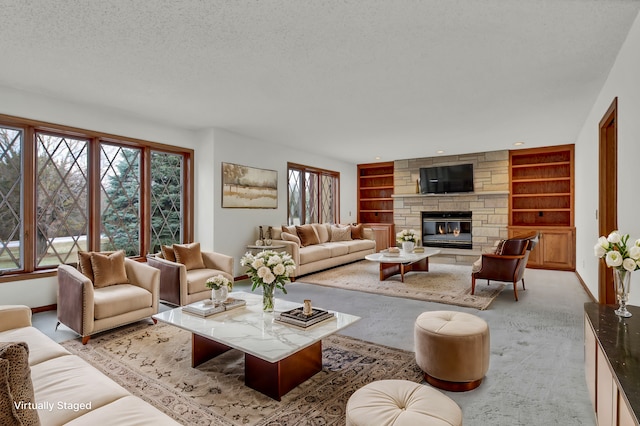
[297,318]
[204,309]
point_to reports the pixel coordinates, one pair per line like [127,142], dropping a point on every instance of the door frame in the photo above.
[607,194]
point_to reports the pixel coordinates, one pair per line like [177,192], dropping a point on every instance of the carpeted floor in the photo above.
[444,283]
[154,363]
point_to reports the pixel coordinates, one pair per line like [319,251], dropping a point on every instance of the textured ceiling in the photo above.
[389,78]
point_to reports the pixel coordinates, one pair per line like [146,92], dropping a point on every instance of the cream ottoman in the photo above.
[452,348]
[401,403]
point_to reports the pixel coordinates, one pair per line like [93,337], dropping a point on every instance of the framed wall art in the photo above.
[249,187]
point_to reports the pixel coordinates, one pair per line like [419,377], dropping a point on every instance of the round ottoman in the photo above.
[401,403]
[452,348]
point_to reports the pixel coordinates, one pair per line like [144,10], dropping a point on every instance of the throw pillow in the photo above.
[499,246]
[290,237]
[189,255]
[16,389]
[168,253]
[84,264]
[340,234]
[108,269]
[290,229]
[307,235]
[322,231]
[357,231]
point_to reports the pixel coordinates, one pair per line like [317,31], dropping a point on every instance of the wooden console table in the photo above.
[612,363]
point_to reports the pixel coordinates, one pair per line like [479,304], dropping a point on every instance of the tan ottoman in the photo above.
[401,403]
[452,348]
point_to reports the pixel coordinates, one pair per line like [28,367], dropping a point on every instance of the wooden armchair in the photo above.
[184,270]
[114,291]
[507,265]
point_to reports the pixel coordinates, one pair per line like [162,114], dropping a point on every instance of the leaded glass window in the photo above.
[11,198]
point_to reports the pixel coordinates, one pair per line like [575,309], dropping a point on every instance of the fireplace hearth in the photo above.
[447,229]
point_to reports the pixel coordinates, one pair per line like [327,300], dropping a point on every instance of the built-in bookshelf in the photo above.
[375,200]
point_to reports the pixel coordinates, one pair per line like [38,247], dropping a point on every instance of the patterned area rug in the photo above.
[444,283]
[154,363]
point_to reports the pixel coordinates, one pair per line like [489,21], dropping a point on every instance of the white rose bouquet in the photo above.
[269,268]
[217,282]
[407,235]
[616,253]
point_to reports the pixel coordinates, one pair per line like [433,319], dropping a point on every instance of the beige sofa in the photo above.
[332,246]
[67,389]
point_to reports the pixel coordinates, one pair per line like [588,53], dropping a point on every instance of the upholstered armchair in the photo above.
[507,264]
[107,291]
[184,270]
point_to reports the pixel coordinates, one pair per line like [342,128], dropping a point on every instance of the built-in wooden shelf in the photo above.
[541,198]
[375,201]
[456,194]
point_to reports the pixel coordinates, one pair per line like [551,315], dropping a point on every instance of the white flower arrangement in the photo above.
[616,253]
[217,282]
[407,235]
[268,268]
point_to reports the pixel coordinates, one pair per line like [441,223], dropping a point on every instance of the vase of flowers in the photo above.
[268,270]
[624,260]
[220,287]
[408,238]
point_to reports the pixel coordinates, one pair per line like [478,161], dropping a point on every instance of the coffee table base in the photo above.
[273,379]
[390,269]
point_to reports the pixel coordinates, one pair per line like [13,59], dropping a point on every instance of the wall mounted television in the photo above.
[446,179]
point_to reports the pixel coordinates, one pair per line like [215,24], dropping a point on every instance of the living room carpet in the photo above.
[154,363]
[444,283]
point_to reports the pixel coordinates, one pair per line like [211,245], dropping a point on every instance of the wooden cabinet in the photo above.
[555,248]
[607,396]
[541,198]
[375,202]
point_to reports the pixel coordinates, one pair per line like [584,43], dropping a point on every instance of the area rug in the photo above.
[444,283]
[153,362]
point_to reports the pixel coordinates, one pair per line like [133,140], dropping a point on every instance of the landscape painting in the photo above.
[249,187]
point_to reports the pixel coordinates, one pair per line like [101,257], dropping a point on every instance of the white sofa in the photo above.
[333,247]
[67,389]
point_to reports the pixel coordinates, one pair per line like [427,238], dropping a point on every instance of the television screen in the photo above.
[446,179]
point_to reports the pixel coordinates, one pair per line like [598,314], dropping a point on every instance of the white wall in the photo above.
[229,230]
[623,82]
[224,230]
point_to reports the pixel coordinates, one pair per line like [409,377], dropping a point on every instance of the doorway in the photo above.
[608,194]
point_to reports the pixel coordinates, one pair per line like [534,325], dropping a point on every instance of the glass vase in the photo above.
[408,246]
[219,295]
[267,297]
[622,280]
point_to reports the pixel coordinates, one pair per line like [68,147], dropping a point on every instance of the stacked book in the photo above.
[206,308]
[297,318]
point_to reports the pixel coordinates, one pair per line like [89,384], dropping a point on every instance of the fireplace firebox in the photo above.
[447,229]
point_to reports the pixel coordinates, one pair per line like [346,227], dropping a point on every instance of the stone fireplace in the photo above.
[447,229]
[488,203]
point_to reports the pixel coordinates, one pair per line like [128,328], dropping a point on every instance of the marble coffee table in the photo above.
[403,263]
[278,357]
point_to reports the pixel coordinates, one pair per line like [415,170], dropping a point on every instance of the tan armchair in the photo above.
[89,306]
[508,265]
[182,283]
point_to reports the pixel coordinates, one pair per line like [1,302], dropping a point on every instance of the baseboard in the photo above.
[586,289]
[44,308]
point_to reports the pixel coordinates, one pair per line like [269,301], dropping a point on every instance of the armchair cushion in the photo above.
[108,269]
[189,255]
[168,253]
[119,299]
[16,385]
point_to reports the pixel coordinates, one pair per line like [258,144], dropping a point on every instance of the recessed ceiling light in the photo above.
[377,158]
[439,151]
[519,143]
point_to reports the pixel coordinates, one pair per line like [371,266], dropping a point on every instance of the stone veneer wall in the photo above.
[488,203]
